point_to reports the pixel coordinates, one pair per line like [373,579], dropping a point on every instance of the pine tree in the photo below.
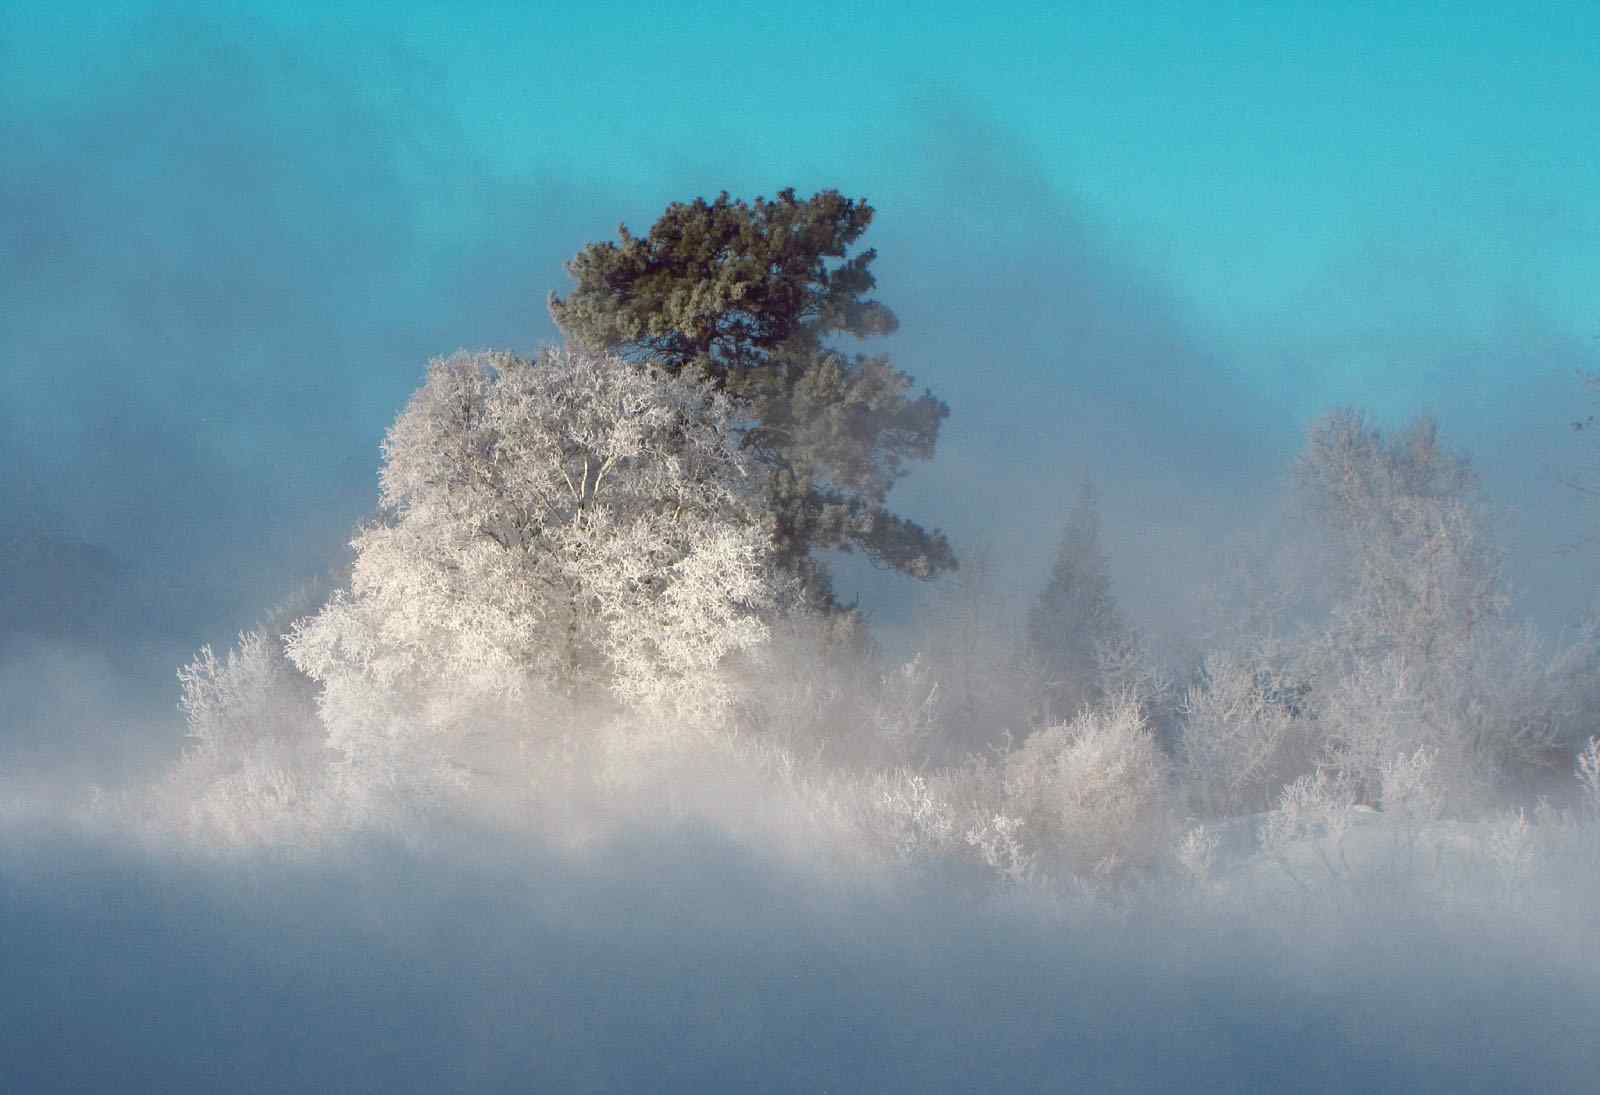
[743,294]
[1075,624]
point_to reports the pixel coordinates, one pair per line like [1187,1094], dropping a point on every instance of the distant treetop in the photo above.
[745,295]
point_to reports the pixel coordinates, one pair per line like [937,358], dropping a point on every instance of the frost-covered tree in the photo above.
[744,293]
[1420,652]
[1075,627]
[1419,567]
[248,696]
[255,763]
[1243,735]
[560,526]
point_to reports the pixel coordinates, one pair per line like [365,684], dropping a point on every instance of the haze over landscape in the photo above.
[1264,763]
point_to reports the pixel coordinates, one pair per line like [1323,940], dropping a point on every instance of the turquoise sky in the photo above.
[1139,241]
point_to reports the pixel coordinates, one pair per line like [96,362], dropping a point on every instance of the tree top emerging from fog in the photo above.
[747,295]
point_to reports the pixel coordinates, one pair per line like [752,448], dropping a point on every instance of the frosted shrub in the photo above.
[997,840]
[1491,710]
[1373,713]
[1092,793]
[917,823]
[1242,739]
[1130,669]
[249,695]
[260,801]
[1514,702]
[256,765]
[1314,813]
[1411,795]
[1197,853]
[1511,849]
[815,687]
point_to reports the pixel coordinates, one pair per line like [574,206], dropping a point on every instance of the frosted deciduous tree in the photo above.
[249,695]
[1420,568]
[558,525]
[1420,652]
[254,765]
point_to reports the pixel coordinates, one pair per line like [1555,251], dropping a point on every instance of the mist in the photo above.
[679,961]
[1125,251]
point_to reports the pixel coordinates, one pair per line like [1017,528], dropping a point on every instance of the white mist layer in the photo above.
[677,918]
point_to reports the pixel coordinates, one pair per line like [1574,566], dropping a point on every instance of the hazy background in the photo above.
[1123,242]
[1128,241]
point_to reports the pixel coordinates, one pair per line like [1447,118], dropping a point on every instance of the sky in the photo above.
[1124,244]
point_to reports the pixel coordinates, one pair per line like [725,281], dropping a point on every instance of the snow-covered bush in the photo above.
[910,815]
[1314,811]
[1197,854]
[251,694]
[255,770]
[1492,710]
[1243,736]
[569,525]
[1410,792]
[1093,792]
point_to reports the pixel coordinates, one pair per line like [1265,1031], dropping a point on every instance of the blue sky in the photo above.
[1125,240]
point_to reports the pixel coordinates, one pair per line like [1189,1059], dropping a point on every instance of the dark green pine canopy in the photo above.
[744,294]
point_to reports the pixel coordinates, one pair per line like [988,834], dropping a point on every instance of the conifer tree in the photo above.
[743,294]
[1075,624]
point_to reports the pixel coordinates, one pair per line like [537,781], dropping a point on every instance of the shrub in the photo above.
[1093,793]
[1243,736]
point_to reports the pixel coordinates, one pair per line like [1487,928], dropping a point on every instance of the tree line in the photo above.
[637,521]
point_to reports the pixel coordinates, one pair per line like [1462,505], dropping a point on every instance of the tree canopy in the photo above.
[744,294]
[563,522]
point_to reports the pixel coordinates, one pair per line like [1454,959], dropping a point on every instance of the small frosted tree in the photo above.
[1421,651]
[565,525]
[254,766]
